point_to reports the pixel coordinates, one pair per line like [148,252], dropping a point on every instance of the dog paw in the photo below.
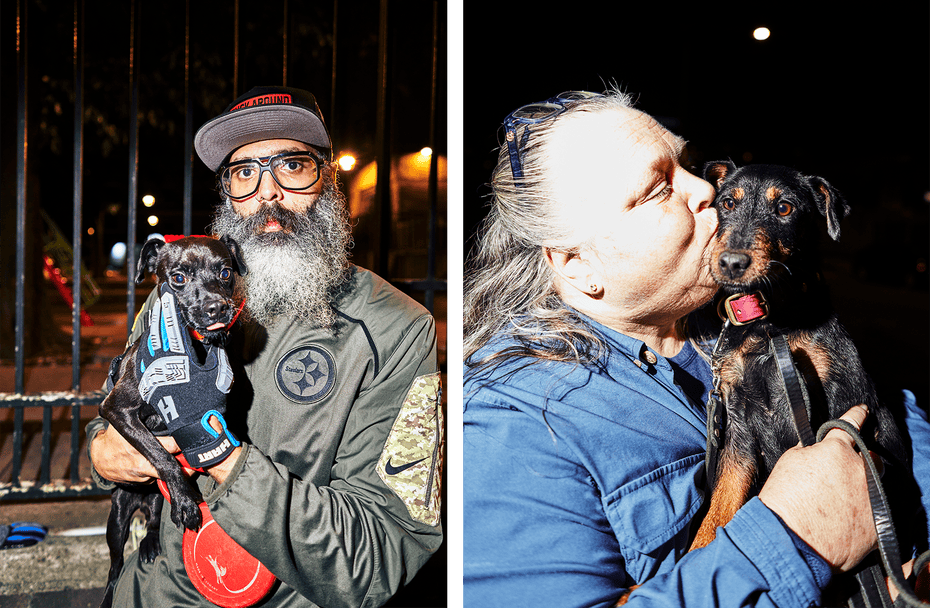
[150,547]
[185,513]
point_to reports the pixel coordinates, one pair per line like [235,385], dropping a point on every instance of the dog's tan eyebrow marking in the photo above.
[772,193]
[738,193]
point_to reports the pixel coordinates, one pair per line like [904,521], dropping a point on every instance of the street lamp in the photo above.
[346,162]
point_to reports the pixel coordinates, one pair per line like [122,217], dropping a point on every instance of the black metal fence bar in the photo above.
[383,146]
[133,164]
[20,230]
[433,164]
[188,126]
[77,234]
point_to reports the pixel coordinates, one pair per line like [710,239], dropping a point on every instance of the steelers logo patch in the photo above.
[306,374]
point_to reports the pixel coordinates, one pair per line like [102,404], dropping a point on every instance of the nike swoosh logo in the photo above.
[390,469]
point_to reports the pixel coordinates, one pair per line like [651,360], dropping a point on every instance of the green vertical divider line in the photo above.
[454,441]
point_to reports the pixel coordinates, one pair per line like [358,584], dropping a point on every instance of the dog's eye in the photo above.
[784,208]
[178,278]
[225,274]
[729,204]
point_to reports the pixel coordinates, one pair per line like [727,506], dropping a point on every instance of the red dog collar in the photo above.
[743,308]
[198,336]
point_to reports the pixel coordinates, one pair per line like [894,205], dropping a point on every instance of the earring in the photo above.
[593,288]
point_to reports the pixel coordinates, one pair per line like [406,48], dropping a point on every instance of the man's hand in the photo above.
[115,459]
[821,494]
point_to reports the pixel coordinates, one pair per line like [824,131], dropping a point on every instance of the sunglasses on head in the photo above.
[532,114]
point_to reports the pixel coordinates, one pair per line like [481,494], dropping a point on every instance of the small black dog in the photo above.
[200,273]
[765,261]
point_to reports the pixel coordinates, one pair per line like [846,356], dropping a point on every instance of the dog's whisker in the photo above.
[782,264]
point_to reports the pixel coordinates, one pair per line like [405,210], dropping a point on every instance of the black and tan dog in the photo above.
[765,261]
[200,272]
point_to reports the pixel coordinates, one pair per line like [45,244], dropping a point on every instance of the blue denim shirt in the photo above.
[582,480]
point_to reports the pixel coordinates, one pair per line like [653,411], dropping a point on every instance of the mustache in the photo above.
[289,221]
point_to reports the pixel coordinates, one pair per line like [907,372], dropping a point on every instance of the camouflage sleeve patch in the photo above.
[411,461]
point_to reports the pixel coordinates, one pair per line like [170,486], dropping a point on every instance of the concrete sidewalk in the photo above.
[62,571]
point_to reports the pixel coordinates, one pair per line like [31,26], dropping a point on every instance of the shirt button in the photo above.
[650,357]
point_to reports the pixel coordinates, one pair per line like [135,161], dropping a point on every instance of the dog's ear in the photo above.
[235,253]
[716,171]
[830,204]
[148,259]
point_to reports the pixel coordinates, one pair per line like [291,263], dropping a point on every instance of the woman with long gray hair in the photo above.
[584,411]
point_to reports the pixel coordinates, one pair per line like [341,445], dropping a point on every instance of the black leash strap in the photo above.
[797,394]
[881,514]
[716,415]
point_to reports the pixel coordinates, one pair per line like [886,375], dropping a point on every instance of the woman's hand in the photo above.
[820,492]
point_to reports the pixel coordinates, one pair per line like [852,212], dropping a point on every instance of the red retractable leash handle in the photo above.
[220,569]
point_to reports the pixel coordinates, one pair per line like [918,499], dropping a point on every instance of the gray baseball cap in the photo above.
[263,113]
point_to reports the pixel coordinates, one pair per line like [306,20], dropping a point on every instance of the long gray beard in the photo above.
[295,273]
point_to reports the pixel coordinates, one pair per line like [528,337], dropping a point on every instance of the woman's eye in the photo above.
[661,193]
[784,208]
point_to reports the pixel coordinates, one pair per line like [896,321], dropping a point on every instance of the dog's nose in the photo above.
[733,265]
[216,310]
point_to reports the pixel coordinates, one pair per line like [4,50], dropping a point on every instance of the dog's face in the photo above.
[201,273]
[768,217]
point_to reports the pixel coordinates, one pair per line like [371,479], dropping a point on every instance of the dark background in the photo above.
[842,94]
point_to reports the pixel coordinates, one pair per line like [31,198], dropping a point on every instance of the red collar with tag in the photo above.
[744,308]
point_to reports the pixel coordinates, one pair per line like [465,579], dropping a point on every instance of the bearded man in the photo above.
[335,403]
